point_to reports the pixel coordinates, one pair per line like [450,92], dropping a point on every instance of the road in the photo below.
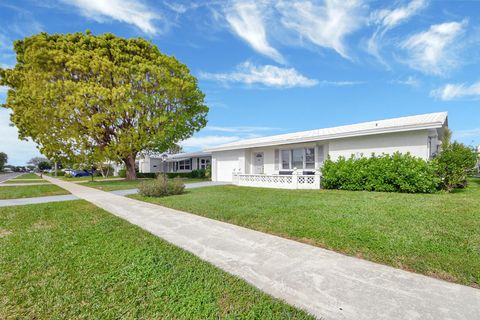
[6,176]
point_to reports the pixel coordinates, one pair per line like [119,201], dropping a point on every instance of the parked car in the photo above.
[80,173]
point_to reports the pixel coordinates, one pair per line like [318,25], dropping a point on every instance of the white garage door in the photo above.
[226,162]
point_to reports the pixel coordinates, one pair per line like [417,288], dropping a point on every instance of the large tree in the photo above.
[93,98]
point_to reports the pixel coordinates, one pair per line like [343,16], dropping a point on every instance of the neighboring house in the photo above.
[294,160]
[181,162]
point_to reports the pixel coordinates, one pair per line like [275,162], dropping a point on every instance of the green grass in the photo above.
[72,260]
[14,192]
[82,179]
[27,176]
[434,234]
[28,181]
[125,184]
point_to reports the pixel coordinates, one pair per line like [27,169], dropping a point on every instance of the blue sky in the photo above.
[270,67]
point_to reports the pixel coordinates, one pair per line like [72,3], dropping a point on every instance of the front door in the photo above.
[258,163]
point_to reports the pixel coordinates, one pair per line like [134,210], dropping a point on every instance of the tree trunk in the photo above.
[130,166]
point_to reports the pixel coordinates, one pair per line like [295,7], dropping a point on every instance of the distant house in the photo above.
[294,160]
[181,162]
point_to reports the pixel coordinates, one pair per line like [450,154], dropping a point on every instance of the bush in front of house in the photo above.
[122,173]
[150,175]
[199,173]
[387,173]
[161,187]
[455,161]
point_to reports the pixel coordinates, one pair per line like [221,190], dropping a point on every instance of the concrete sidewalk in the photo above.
[327,284]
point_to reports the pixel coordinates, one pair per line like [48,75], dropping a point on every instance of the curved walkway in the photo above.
[325,283]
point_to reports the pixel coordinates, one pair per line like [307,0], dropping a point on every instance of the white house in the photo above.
[294,160]
[181,162]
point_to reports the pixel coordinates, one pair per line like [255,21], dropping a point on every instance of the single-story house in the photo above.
[181,162]
[294,160]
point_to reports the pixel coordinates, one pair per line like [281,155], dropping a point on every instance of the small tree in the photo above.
[44,165]
[454,162]
[3,160]
[35,161]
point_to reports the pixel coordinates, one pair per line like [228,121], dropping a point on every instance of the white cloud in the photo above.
[390,18]
[128,11]
[435,51]
[325,25]
[453,91]
[207,141]
[3,89]
[247,20]
[387,19]
[268,75]
[240,129]
[411,81]
[339,83]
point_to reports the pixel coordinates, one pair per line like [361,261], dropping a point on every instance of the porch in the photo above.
[278,181]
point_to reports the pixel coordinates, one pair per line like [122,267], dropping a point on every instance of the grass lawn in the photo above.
[25,181]
[72,260]
[82,179]
[27,176]
[126,184]
[14,192]
[434,234]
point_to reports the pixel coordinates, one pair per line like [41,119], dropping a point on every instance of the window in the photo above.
[285,159]
[184,165]
[301,158]
[204,163]
[310,158]
[297,158]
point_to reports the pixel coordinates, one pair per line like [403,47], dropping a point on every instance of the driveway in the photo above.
[325,283]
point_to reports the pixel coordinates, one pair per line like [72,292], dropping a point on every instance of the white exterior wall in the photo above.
[148,165]
[225,162]
[415,142]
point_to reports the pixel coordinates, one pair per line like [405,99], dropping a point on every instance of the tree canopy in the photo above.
[92,98]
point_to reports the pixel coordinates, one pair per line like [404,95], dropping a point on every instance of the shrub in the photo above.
[199,173]
[161,187]
[454,162]
[146,175]
[208,172]
[386,173]
[122,173]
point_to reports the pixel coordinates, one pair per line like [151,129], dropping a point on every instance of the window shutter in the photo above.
[277,159]
[321,154]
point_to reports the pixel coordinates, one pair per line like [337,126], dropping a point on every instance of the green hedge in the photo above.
[122,173]
[200,173]
[387,173]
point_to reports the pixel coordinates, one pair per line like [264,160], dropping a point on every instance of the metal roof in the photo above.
[410,123]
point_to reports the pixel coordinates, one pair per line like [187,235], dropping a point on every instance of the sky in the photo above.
[269,67]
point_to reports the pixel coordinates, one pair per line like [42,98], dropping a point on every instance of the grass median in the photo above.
[14,192]
[74,260]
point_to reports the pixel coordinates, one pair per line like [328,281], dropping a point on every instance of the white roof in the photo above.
[187,155]
[418,122]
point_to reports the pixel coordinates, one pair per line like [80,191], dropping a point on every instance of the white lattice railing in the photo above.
[293,181]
